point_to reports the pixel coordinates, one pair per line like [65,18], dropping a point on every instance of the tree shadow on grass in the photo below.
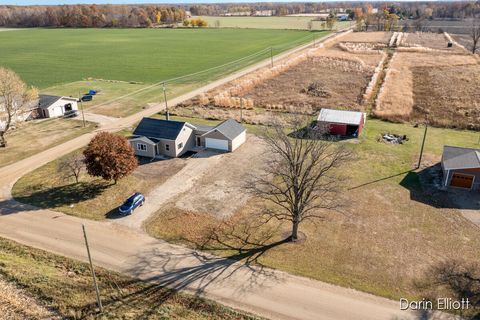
[64,195]
[454,279]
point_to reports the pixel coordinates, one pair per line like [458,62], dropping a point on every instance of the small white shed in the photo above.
[55,106]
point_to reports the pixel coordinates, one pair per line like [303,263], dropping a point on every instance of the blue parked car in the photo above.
[132,203]
[87,98]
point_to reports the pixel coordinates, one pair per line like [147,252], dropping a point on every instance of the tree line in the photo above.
[405,10]
[85,16]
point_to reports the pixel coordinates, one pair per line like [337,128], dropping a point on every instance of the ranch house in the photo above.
[55,106]
[157,137]
[461,167]
[341,122]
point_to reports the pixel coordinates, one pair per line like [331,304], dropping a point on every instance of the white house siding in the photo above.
[150,152]
[238,141]
[57,109]
[186,138]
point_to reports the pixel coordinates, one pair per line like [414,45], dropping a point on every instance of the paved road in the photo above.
[266,292]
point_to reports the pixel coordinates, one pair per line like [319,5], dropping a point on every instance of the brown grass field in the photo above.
[400,100]
[341,77]
[455,93]
[16,304]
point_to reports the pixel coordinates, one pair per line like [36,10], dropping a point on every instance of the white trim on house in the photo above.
[141,146]
[218,144]
[463,174]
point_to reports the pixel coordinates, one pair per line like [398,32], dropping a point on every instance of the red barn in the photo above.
[341,122]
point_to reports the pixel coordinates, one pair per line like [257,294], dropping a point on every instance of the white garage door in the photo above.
[216,144]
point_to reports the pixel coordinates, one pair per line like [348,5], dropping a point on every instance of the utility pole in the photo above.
[167,116]
[271,56]
[314,40]
[241,110]
[99,301]
[81,107]
[423,145]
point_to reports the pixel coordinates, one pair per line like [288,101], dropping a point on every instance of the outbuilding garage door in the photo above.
[461,180]
[216,144]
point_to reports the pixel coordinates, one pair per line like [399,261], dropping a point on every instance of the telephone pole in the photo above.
[99,301]
[423,145]
[81,107]
[271,56]
[167,116]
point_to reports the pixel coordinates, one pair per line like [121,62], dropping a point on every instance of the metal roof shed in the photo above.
[341,122]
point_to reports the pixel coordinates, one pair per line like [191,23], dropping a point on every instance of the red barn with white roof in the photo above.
[341,122]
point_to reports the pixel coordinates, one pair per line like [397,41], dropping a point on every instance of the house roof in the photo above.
[45,100]
[156,129]
[159,128]
[340,116]
[143,139]
[229,128]
[460,158]
[203,128]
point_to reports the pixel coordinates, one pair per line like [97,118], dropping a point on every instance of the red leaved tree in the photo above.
[109,156]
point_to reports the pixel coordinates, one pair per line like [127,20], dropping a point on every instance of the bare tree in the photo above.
[71,167]
[300,177]
[475,34]
[14,99]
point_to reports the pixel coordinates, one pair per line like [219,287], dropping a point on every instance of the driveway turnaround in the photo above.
[266,292]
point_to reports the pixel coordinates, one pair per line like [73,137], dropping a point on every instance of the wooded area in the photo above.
[97,16]
[113,16]
[413,10]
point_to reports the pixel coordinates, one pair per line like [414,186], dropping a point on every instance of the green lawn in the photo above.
[47,57]
[119,98]
[390,232]
[299,23]
[34,136]
[91,198]
[65,286]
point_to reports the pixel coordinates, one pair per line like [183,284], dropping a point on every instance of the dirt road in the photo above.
[269,293]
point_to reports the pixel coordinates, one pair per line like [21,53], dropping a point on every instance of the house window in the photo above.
[180,145]
[167,147]
[141,147]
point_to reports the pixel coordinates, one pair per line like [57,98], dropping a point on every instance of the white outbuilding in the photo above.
[55,106]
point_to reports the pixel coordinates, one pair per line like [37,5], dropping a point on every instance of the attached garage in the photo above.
[218,144]
[461,167]
[227,136]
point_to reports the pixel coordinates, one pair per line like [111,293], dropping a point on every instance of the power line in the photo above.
[258,53]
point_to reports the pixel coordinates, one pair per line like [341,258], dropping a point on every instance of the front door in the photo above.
[199,142]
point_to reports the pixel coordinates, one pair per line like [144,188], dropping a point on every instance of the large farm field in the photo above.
[47,57]
[297,23]
[426,81]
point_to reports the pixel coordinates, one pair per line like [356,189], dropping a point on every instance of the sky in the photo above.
[54,2]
